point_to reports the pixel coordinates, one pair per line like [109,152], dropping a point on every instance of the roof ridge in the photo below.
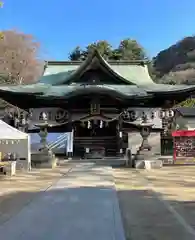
[84,65]
[114,62]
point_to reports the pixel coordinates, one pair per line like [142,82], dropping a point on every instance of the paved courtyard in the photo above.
[21,189]
[80,202]
[158,204]
[81,205]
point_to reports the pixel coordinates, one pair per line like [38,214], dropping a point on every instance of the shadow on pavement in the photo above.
[88,212]
[145,217]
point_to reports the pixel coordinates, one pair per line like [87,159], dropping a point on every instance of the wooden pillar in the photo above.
[120,138]
[70,140]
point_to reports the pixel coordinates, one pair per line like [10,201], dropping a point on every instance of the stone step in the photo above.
[149,164]
[114,162]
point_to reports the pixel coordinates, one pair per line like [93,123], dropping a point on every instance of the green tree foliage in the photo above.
[128,49]
[104,48]
[131,50]
[76,54]
[190,102]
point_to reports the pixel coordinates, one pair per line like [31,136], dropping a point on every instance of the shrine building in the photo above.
[101,102]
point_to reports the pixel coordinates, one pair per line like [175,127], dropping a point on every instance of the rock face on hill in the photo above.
[176,64]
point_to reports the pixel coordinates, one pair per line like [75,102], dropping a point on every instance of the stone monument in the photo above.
[144,157]
[45,157]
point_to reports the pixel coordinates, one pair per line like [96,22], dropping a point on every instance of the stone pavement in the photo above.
[20,189]
[157,204]
[80,206]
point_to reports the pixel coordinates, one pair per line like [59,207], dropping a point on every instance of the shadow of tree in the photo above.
[83,210]
[146,217]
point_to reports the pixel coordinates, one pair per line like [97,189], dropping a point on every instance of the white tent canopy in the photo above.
[14,141]
[8,132]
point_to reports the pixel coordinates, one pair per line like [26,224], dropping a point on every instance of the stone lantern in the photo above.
[43,125]
[145,129]
[43,136]
[45,157]
[145,133]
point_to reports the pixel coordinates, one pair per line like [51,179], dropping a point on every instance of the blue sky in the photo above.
[61,25]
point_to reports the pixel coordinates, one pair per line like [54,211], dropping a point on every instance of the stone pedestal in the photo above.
[43,135]
[69,155]
[153,164]
[43,159]
[144,154]
[130,159]
[149,164]
[145,148]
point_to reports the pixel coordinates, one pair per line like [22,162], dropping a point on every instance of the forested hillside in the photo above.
[176,64]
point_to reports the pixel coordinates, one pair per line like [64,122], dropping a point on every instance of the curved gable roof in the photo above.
[96,56]
[128,72]
[137,74]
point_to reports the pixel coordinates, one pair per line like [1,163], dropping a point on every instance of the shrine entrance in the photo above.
[95,139]
[95,128]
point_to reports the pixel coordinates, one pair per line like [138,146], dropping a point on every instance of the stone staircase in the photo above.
[107,161]
[109,143]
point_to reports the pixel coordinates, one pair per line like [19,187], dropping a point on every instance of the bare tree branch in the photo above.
[19,58]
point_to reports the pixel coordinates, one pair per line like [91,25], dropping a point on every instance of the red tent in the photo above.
[184,133]
[182,139]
